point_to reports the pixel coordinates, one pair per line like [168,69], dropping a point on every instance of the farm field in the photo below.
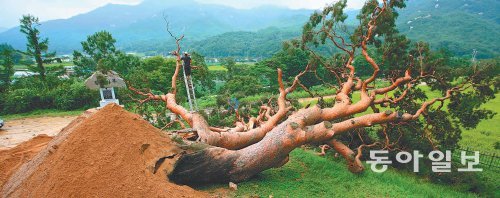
[216,68]
[46,65]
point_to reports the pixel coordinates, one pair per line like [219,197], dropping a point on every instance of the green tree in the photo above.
[291,60]
[201,75]
[240,87]
[230,65]
[97,47]
[7,62]
[17,57]
[153,73]
[36,47]
[125,63]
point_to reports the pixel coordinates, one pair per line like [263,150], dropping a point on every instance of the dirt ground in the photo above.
[12,159]
[17,131]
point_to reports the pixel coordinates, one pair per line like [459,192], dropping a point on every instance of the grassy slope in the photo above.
[484,137]
[308,175]
[42,113]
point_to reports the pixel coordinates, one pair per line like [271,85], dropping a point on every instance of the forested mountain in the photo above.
[254,44]
[262,43]
[459,25]
[214,30]
[141,24]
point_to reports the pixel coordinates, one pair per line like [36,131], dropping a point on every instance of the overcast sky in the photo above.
[12,10]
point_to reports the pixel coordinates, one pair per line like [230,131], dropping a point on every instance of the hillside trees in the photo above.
[7,62]
[202,77]
[17,56]
[399,110]
[238,74]
[36,46]
[100,48]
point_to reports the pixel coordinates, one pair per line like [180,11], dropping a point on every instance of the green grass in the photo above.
[42,113]
[487,133]
[219,67]
[309,175]
[216,68]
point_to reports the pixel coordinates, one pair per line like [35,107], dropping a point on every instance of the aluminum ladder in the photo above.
[190,91]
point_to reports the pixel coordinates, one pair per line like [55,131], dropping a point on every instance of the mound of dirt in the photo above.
[12,159]
[112,153]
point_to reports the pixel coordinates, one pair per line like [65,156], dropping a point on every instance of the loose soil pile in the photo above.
[112,153]
[12,159]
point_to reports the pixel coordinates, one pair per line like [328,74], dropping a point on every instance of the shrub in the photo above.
[20,100]
[74,96]
[28,94]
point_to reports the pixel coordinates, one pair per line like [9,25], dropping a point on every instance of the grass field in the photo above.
[42,113]
[216,68]
[309,175]
[487,134]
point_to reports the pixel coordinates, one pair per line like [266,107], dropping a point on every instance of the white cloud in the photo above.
[12,10]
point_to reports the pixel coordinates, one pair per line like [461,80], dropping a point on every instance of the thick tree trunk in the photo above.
[222,165]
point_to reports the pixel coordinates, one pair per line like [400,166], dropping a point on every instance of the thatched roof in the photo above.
[113,78]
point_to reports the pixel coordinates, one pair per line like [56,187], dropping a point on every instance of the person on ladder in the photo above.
[186,60]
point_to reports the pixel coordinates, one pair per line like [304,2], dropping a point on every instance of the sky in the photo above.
[12,10]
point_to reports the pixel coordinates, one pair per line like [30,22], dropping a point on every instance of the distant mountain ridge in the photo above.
[145,23]
[459,25]
[215,30]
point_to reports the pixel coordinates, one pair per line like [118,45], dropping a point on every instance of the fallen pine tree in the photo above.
[265,141]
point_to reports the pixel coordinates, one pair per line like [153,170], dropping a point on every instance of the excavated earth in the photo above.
[109,153]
